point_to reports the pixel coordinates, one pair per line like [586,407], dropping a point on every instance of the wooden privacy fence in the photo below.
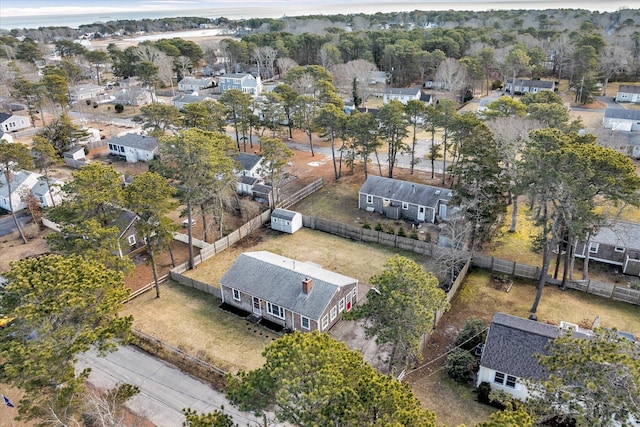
[606,290]
[301,194]
[196,284]
[497,265]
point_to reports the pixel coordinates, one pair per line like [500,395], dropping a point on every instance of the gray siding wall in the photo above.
[410,214]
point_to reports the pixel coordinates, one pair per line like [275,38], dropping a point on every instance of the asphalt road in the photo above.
[7,225]
[164,389]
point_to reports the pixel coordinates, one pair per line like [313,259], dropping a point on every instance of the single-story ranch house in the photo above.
[296,295]
[628,93]
[530,86]
[508,353]
[402,199]
[133,147]
[622,120]
[617,244]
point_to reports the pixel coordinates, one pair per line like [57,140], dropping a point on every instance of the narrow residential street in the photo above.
[164,389]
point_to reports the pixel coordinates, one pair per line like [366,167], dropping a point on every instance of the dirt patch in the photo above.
[12,248]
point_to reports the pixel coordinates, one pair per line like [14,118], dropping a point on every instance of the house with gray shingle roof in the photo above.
[529,86]
[296,295]
[398,199]
[628,93]
[508,353]
[243,82]
[403,95]
[193,84]
[133,147]
[248,172]
[621,119]
[616,244]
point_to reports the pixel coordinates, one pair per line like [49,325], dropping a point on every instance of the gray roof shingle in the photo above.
[283,214]
[629,89]
[619,113]
[404,191]
[412,91]
[620,233]
[134,140]
[543,84]
[278,279]
[512,343]
[247,161]
[4,116]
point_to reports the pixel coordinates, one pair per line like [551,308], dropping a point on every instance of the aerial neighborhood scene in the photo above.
[319,214]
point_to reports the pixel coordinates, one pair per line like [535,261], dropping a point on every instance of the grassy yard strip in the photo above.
[348,257]
[191,321]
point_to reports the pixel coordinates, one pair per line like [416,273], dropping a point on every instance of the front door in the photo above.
[421,213]
[256,306]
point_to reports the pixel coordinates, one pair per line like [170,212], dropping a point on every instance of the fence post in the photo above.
[491,267]
[613,290]
[588,285]
[513,270]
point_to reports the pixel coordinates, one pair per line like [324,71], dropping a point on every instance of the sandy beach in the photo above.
[212,35]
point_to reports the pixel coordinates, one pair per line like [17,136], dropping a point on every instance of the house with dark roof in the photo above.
[12,122]
[508,353]
[616,244]
[133,147]
[296,295]
[248,172]
[403,95]
[398,199]
[621,119]
[529,86]
[628,93]
[128,238]
[286,221]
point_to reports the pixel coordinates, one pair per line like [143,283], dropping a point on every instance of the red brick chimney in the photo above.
[307,284]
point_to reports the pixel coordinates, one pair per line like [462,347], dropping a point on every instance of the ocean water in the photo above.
[72,13]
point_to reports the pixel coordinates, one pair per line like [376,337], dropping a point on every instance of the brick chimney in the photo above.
[307,284]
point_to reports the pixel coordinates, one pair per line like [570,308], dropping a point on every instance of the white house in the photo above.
[403,95]
[84,92]
[622,120]
[248,172]
[13,123]
[286,221]
[628,93]
[24,182]
[508,353]
[192,84]
[133,147]
[75,157]
[529,86]
[4,136]
[242,82]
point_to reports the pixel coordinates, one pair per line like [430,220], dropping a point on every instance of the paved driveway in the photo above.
[164,389]
[8,226]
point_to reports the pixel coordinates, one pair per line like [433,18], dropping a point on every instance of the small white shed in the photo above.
[286,221]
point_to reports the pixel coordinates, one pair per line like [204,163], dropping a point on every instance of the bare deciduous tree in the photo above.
[612,60]
[265,57]
[451,75]
[284,65]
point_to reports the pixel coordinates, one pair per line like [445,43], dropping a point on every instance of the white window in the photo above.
[618,249]
[369,199]
[132,240]
[236,294]
[305,323]
[334,313]
[506,380]
[405,205]
[341,305]
[593,247]
[275,310]
[325,322]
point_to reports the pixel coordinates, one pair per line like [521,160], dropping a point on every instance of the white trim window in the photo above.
[341,305]
[618,249]
[305,323]
[334,313]
[369,199]
[505,380]
[236,294]
[132,240]
[405,206]
[593,247]
[275,310]
[325,322]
